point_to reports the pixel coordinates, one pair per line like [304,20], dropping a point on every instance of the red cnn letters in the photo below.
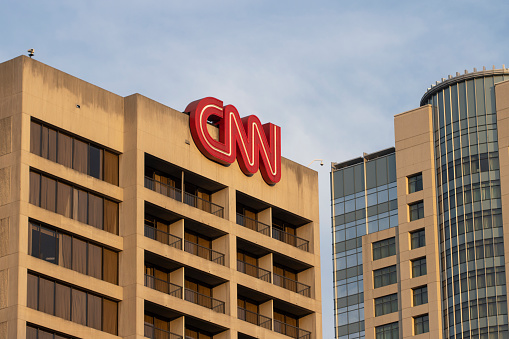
[253,145]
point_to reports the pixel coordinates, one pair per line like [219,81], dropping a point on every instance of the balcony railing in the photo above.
[291,239]
[204,300]
[204,205]
[292,285]
[291,331]
[204,252]
[254,318]
[163,189]
[253,270]
[253,224]
[163,286]
[156,333]
[163,237]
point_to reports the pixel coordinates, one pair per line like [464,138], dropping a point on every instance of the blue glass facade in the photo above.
[363,201]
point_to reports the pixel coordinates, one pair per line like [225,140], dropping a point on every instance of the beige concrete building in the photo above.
[419,229]
[114,225]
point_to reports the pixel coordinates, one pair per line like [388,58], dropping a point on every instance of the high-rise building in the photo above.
[117,221]
[418,230]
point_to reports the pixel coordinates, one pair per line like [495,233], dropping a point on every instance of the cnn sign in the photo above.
[253,145]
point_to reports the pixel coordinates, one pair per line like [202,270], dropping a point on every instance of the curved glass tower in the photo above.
[469,208]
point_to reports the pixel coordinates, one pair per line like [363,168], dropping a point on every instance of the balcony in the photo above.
[204,252]
[204,205]
[163,189]
[156,333]
[253,271]
[204,300]
[291,331]
[292,285]
[252,224]
[163,286]
[254,318]
[291,239]
[163,237]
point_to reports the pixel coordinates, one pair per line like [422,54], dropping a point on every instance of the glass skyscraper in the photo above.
[418,230]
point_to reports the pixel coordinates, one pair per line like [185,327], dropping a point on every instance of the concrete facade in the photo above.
[145,133]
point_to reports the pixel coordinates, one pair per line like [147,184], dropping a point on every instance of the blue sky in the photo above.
[332,74]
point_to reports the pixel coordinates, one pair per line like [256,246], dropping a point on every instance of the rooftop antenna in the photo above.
[31,52]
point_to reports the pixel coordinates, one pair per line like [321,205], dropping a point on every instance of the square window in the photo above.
[385,276]
[419,267]
[386,304]
[415,183]
[416,210]
[384,248]
[417,239]
[421,324]
[387,331]
[420,295]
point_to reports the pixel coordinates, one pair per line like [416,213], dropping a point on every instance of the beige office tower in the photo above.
[113,224]
[419,229]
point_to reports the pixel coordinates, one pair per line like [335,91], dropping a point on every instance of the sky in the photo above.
[331,73]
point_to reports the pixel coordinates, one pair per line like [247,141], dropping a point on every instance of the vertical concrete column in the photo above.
[308,323]
[265,217]
[267,310]
[223,245]
[306,232]
[177,326]
[308,277]
[223,198]
[131,225]
[266,262]
[222,292]
[177,229]
[177,277]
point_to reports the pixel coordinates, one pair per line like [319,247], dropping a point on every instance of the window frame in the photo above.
[420,236]
[422,293]
[389,272]
[378,247]
[387,301]
[418,263]
[416,210]
[421,321]
[414,183]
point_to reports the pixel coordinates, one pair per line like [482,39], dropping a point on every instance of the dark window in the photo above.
[111,168]
[95,162]
[71,152]
[420,295]
[35,138]
[418,267]
[72,253]
[35,332]
[64,150]
[415,183]
[63,306]
[385,276]
[73,202]
[384,248]
[421,324]
[70,303]
[64,202]
[418,238]
[416,210]
[386,304]
[80,156]
[387,331]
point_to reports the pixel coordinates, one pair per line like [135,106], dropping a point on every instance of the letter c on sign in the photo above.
[255,146]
